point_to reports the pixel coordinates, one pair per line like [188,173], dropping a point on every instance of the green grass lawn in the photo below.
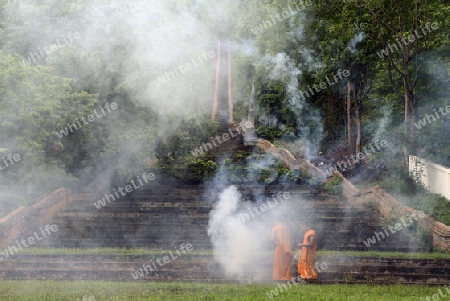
[139,291]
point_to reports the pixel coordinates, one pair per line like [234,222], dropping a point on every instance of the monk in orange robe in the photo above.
[307,263]
[283,253]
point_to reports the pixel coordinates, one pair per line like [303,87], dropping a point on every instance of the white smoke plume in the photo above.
[355,41]
[234,246]
[240,231]
[309,119]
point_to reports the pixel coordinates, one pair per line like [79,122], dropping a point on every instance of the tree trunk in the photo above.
[349,115]
[410,116]
[407,102]
[358,129]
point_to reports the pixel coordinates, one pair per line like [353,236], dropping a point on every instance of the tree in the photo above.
[404,41]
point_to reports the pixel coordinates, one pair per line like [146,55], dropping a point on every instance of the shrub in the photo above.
[334,186]
[425,239]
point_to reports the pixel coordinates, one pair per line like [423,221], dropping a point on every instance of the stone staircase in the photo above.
[160,216]
[157,217]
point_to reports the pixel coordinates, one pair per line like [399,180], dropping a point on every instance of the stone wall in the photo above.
[13,225]
[388,205]
[23,218]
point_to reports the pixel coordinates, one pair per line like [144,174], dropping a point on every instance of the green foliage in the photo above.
[423,236]
[41,108]
[439,208]
[411,192]
[397,181]
[326,42]
[292,176]
[130,146]
[433,204]
[201,169]
[270,134]
[177,154]
[425,239]
[333,186]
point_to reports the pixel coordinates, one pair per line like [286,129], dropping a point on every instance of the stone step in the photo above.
[332,209]
[190,212]
[133,264]
[200,241]
[340,269]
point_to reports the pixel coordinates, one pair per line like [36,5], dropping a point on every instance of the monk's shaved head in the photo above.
[304,224]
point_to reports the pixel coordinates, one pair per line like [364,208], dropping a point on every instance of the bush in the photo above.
[435,205]
[425,239]
[177,155]
[200,169]
[270,134]
[399,181]
[334,186]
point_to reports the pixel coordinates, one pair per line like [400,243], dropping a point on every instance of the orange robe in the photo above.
[307,263]
[282,257]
